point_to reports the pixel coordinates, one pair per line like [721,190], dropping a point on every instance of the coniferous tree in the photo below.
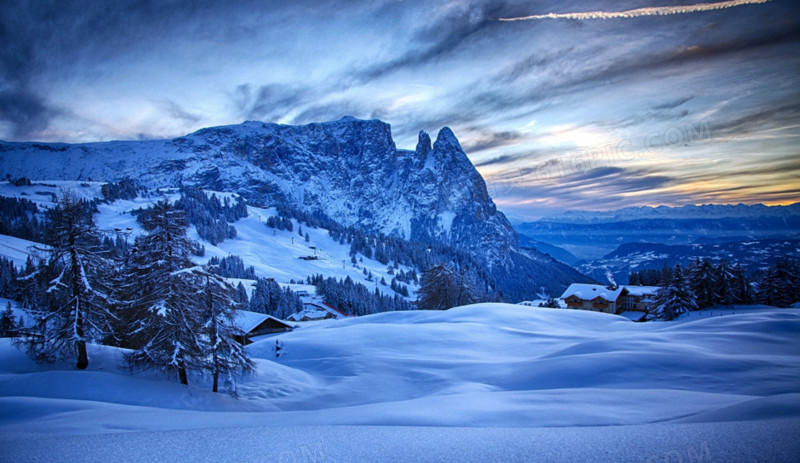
[8,279]
[676,298]
[31,284]
[269,298]
[442,288]
[777,287]
[227,357]
[75,309]
[726,293]
[8,327]
[241,295]
[665,276]
[703,282]
[161,293]
[740,285]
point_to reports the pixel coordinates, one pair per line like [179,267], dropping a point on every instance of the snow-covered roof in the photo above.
[248,321]
[589,292]
[316,310]
[642,290]
[321,306]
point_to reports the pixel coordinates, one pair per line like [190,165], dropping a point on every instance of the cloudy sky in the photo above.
[570,105]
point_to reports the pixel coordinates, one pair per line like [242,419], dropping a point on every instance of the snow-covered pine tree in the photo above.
[162,292]
[8,278]
[241,295]
[227,357]
[676,298]
[75,310]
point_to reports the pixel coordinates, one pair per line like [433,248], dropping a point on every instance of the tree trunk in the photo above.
[83,359]
[215,387]
[182,373]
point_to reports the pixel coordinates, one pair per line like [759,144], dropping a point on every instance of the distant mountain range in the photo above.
[348,170]
[591,235]
[705,211]
[637,238]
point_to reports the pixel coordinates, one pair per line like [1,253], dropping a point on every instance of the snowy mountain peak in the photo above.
[424,144]
[447,140]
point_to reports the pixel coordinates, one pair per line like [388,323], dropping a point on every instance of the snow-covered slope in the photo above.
[273,253]
[488,365]
[349,170]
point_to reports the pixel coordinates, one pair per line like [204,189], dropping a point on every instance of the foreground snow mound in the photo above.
[480,365]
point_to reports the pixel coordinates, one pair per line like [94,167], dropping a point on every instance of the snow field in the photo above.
[608,387]
[479,365]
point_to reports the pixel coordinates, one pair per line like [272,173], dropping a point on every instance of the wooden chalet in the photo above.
[597,298]
[257,324]
[640,298]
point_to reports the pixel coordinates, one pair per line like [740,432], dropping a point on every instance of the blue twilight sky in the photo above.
[634,104]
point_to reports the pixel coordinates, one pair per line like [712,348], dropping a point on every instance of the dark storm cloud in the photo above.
[176,111]
[44,37]
[490,140]
[605,180]
[775,115]
[598,173]
[672,104]
[775,167]
[537,60]
[438,40]
[620,67]
[268,102]
[499,160]
[26,111]
[21,106]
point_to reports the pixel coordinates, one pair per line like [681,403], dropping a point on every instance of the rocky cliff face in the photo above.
[349,170]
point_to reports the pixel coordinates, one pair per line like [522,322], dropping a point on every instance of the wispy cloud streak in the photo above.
[637,12]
